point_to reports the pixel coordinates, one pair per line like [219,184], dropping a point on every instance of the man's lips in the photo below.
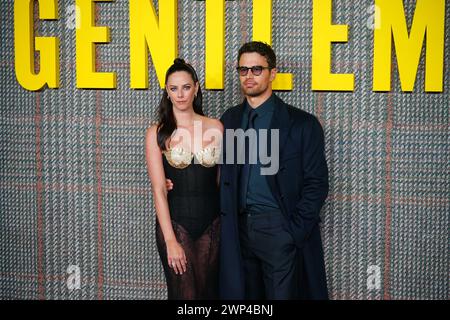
[249,83]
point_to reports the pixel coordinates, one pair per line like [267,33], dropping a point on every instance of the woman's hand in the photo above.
[176,257]
[169,184]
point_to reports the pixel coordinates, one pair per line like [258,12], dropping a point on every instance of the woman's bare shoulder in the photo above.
[151,132]
[213,123]
[152,129]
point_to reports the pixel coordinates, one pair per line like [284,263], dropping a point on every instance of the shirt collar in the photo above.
[266,107]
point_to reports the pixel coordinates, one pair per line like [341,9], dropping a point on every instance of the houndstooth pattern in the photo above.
[74,189]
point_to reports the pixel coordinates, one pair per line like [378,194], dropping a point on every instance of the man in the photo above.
[270,239]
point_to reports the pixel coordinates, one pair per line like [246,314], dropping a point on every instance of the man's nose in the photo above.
[250,74]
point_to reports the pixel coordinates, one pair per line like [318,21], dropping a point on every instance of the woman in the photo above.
[185,147]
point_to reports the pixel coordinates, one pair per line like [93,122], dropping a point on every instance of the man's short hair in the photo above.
[262,48]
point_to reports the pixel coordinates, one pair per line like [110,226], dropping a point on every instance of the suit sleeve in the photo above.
[315,182]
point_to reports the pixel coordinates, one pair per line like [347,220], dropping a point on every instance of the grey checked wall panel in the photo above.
[74,189]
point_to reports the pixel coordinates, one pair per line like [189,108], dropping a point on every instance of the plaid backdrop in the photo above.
[75,197]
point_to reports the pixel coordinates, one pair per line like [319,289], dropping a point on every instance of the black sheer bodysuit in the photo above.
[194,207]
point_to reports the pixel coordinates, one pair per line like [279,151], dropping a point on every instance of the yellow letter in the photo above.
[25,46]
[324,33]
[215,44]
[86,37]
[429,18]
[262,31]
[147,32]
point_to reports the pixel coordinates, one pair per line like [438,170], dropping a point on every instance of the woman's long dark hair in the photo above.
[167,122]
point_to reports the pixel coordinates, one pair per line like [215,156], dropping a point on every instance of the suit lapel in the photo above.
[236,121]
[236,118]
[282,122]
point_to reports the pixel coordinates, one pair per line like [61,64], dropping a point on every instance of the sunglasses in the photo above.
[256,70]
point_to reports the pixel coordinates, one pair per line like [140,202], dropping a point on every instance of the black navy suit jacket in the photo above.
[300,187]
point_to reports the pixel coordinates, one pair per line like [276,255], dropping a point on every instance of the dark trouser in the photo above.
[269,256]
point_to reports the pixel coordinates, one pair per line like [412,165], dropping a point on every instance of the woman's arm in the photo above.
[155,168]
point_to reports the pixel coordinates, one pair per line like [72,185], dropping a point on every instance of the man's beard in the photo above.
[254,93]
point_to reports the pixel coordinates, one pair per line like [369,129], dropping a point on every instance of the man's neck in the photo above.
[255,102]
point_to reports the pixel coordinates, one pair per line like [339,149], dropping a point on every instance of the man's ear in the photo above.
[273,74]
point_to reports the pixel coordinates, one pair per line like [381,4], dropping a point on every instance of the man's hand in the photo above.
[169,184]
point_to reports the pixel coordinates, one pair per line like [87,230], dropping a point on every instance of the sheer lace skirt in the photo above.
[200,281]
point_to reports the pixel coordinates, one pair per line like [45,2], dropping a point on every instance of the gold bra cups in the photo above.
[178,157]
[181,158]
[208,157]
